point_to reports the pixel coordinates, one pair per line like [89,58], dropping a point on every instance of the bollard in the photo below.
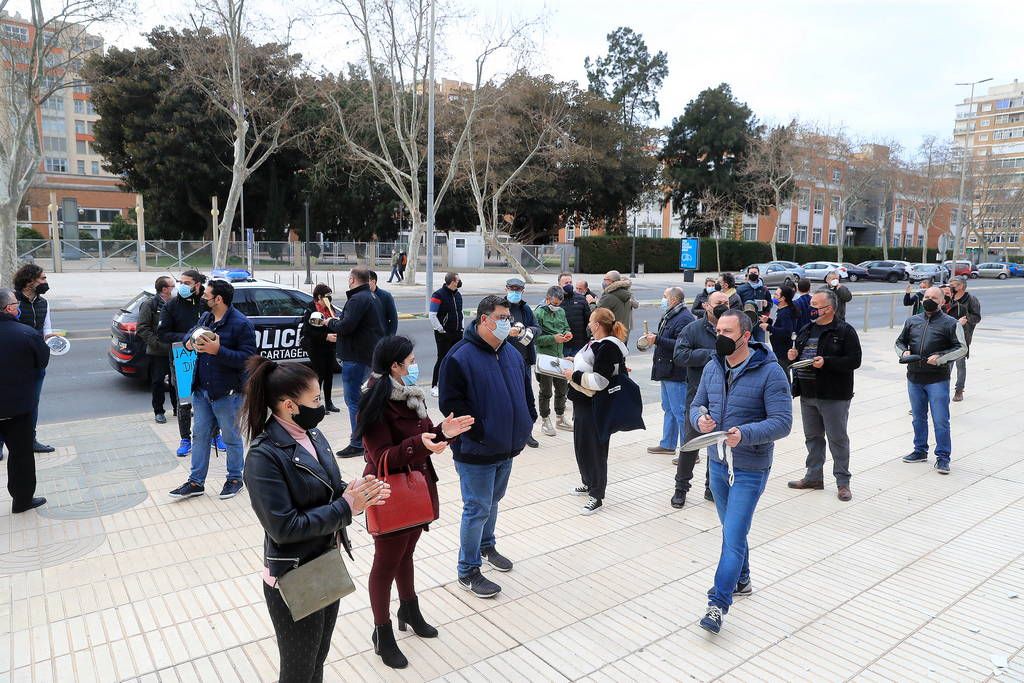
[867,307]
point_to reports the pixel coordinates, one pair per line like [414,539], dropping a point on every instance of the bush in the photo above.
[120,229]
[29,234]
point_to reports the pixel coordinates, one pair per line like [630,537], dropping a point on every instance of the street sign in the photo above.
[689,253]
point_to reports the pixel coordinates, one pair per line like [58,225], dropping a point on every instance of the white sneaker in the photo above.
[563,423]
[434,392]
[547,427]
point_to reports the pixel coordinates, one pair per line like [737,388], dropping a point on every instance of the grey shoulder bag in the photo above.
[316,584]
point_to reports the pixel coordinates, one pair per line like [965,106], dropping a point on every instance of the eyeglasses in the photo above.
[514,289]
[500,317]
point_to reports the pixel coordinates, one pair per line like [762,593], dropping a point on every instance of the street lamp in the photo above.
[632,260]
[309,277]
[964,157]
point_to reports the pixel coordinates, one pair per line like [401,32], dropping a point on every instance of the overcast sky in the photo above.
[883,69]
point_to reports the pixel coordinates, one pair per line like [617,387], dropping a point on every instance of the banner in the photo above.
[183,368]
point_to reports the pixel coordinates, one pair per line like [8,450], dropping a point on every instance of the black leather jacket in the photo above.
[296,498]
[925,335]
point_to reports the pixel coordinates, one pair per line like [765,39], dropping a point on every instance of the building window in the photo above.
[750,231]
[79,106]
[834,208]
[837,175]
[95,168]
[81,166]
[911,215]
[983,137]
[819,205]
[986,107]
[570,234]
[54,103]
[895,240]
[986,122]
[80,127]
[783,234]
[82,88]
[81,147]
[899,213]
[56,165]
[804,199]
[831,236]
[920,240]
[55,144]
[801,233]
[816,234]
[54,126]
[18,33]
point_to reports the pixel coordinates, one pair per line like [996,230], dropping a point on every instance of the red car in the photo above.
[962,268]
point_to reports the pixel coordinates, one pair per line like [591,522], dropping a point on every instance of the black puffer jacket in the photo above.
[926,336]
[296,496]
[359,327]
[577,314]
[179,316]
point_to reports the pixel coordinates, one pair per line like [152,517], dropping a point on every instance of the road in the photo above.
[82,385]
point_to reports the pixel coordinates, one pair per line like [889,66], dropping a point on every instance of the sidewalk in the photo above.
[920,577]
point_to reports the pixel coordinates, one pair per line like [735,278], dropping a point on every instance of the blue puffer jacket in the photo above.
[224,373]
[758,401]
[494,387]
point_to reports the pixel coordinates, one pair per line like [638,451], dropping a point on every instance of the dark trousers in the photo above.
[302,644]
[684,470]
[184,410]
[392,562]
[322,361]
[551,385]
[18,433]
[159,369]
[591,451]
[444,343]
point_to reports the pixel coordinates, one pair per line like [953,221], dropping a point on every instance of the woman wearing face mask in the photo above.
[393,423]
[320,344]
[298,495]
[781,331]
[710,287]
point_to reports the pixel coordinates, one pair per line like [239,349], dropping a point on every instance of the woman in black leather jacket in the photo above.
[302,502]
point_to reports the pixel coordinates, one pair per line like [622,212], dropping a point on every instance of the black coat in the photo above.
[359,327]
[577,314]
[149,325]
[938,334]
[25,357]
[296,497]
[179,316]
[387,310]
[669,329]
[314,339]
[522,313]
[839,346]
[694,348]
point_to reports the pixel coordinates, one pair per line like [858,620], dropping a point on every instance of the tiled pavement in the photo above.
[921,577]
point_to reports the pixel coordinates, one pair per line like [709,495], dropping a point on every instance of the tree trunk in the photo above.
[507,253]
[415,235]
[8,240]
[924,249]
[239,174]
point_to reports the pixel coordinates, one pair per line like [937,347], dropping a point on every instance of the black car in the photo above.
[855,272]
[889,271]
[275,311]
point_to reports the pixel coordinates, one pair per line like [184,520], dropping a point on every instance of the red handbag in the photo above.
[409,505]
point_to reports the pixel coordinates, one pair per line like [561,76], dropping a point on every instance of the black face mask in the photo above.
[568,290]
[930,306]
[308,418]
[719,310]
[718,286]
[753,277]
[725,346]
[42,288]
[459,285]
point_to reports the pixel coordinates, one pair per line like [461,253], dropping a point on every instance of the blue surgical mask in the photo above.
[775,300]
[664,304]
[710,289]
[514,297]
[502,328]
[414,374]
[184,291]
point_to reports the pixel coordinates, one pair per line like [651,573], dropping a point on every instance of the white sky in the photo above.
[883,69]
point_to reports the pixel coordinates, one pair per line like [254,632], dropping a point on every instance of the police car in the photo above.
[275,311]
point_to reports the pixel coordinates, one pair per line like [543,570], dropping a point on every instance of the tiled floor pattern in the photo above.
[921,577]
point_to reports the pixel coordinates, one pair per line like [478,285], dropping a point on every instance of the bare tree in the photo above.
[232,72]
[770,171]
[996,203]
[929,185]
[716,210]
[34,67]
[890,174]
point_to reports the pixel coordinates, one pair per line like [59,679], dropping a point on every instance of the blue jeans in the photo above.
[735,506]
[933,397]
[353,375]
[206,416]
[673,402]
[482,487]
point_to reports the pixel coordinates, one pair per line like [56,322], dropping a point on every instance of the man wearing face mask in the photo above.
[577,314]
[743,391]
[967,310]
[842,293]
[755,291]
[674,318]
[693,350]
[29,287]
[710,286]
[935,340]
[217,387]
[524,328]
[487,378]
[554,333]
[158,352]
[446,319]
[825,390]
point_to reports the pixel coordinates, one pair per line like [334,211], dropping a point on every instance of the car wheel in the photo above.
[853,278]
[788,282]
[1001,276]
[893,277]
[973,276]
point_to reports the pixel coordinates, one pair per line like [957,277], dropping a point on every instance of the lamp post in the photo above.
[309,277]
[632,260]
[964,158]
[430,167]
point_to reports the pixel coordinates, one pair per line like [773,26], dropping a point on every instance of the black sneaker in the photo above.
[477,584]
[42,448]
[350,452]
[497,560]
[532,442]
[942,466]
[231,488]
[712,621]
[591,506]
[189,489]
[708,495]
[581,490]
[915,457]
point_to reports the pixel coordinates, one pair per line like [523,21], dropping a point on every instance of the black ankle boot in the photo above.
[679,498]
[384,645]
[409,614]
[684,472]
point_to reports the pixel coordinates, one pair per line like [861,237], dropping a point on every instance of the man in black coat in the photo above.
[577,314]
[524,329]
[359,328]
[158,351]
[385,306]
[966,309]
[446,319]
[664,370]
[25,357]
[29,287]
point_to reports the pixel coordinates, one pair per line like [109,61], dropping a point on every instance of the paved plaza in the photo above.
[921,577]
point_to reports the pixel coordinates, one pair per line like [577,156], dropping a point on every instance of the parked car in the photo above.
[996,270]
[275,311]
[907,267]
[795,267]
[963,268]
[890,271]
[1016,269]
[855,272]
[924,271]
[819,270]
[773,274]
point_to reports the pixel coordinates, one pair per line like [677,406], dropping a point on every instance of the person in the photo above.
[29,287]
[782,330]
[825,390]
[577,312]
[217,387]
[385,306]
[966,308]
[524,329]
[803,301]
[947,298]
[754,291]
[554,333]
[842,292]
[743,392]
[939,340]
[710,287]
[583,289]
[727,285]
[300,499]
[446,318]
[694,348]
[617,297]
[396,266]
[594,367]
[179,315]
[319,344]
[25,357]
[674,318]
[157,351]
[487,378]
[395,428]
[914,300]
[359,328]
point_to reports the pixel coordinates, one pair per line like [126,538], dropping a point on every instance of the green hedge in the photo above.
[601,254]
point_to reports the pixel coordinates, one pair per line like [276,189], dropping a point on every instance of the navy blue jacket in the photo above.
[447,306]
[388,311]
[669,329]
[223,373]
[522,313]
[25,357]
[758,402]
[780,331]
[359,327]
[803,305]
[494,387]
[757,292]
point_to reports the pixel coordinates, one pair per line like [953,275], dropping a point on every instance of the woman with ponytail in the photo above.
[393,423]
[298,494]
[594,367]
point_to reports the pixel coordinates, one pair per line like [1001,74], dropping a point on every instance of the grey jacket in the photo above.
[618,298]
[926,336]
